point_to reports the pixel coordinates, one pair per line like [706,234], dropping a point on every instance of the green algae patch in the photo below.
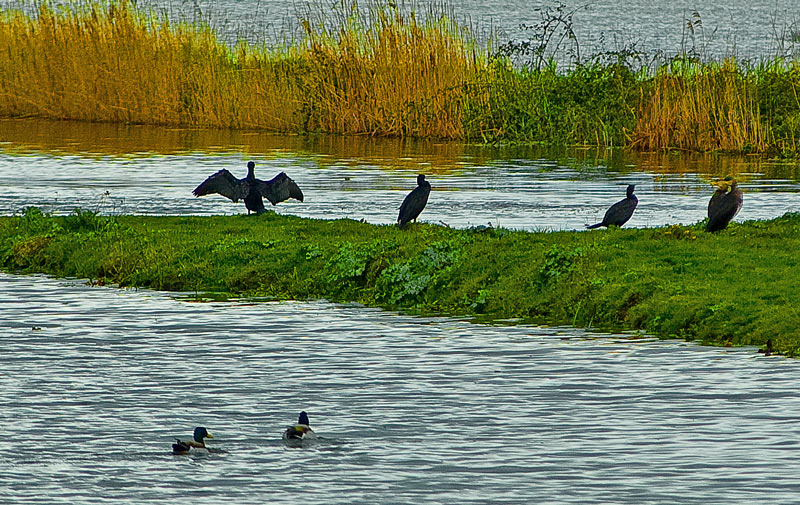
[736,287]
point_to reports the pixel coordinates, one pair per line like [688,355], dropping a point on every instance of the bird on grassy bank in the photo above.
[250,189]
[725,203]
[767,349]
[414,202]
[619,213]
[198,442]
[296,434]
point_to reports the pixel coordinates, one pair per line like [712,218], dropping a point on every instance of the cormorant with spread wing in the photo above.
[250,189]
[619,213]
[724,205]
[414,202]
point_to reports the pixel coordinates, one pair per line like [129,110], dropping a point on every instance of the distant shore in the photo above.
[396,73]
[735,287]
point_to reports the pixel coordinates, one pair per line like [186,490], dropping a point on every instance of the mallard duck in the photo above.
[619,213]
[250,189]
[184,446]
[414,202]
[725,203]
[297,433]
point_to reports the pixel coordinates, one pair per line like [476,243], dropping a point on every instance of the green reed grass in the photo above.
[380,70]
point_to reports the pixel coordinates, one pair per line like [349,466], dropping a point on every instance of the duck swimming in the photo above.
[619,213]
[296,434]
[250,189]
[184,446]
[414,202]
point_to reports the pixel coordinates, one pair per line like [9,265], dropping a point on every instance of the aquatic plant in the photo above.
[405,281]
[385,73]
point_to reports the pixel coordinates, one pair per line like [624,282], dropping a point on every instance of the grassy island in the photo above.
[381,69]
[736,287]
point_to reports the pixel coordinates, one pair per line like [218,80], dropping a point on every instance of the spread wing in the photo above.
[279,188]
[223,183]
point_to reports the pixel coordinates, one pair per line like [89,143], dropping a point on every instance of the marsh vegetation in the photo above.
[390,71]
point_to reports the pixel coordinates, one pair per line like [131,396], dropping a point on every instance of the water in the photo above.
[719,28]
[97,382]
[119,169]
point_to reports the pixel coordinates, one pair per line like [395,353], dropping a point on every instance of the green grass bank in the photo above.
[737,287]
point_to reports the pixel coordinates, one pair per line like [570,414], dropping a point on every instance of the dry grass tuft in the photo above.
[700,107]
[396,76]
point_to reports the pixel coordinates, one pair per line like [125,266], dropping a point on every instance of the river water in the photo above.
[123,169]
[97,382]
[745,29]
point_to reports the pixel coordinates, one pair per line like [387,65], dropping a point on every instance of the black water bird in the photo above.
[250,189]
[414,202]
[619,213]
[198,442]
[767,350]
[725,203]
[298,433]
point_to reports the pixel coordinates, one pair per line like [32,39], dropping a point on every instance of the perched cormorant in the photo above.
[250,189]
[414,202]
[724,205]
[619,213]
[184,446]
[296,434]
[767,349]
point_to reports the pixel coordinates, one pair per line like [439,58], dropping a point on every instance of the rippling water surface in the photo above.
[719,28]
[115,169]
[97,382]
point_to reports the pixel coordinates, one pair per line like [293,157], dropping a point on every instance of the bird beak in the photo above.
[209,435]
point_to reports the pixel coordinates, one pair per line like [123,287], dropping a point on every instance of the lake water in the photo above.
[115,169]
[719,28]
[96,383]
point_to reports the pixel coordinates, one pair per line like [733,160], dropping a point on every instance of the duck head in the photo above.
[200,433]
[303,418]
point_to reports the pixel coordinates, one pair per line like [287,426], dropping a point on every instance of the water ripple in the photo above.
[97,382]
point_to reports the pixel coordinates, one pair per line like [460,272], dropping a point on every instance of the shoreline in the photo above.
[396,75]
[735,287]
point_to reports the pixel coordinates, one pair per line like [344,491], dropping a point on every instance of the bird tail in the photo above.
[180,447]
[294,191]
[593,226]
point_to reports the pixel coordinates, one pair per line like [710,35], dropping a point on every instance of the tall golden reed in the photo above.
[378,70]
[395,76]
[700,107]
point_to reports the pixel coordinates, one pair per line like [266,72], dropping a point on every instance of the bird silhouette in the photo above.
[619,213]
[279,188]
[414,202]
